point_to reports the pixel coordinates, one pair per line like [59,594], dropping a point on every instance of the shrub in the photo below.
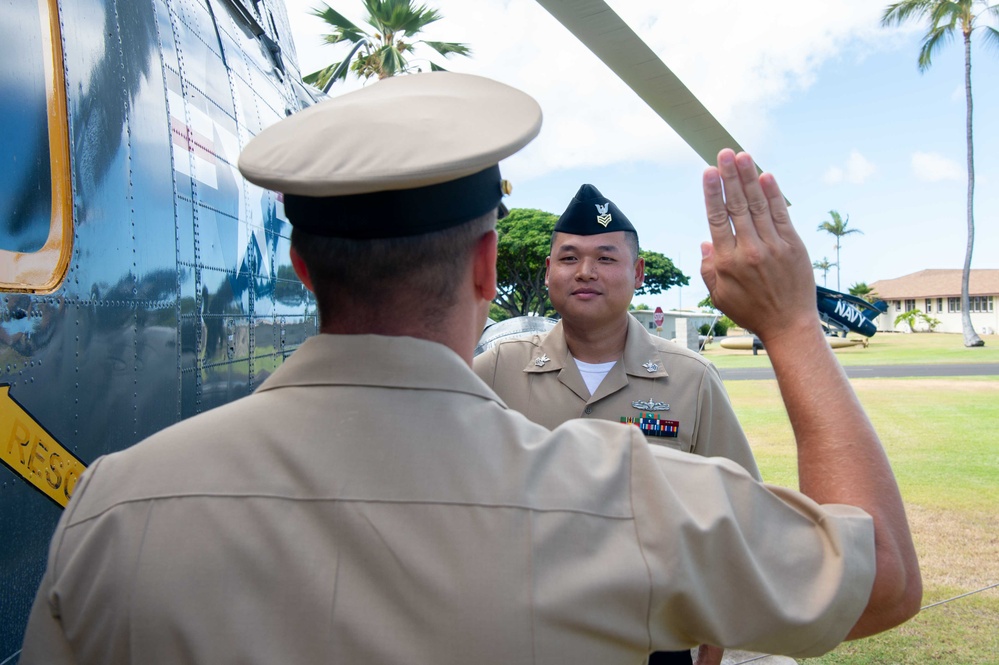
[720,328]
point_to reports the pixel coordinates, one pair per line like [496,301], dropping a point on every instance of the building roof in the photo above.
[937,284]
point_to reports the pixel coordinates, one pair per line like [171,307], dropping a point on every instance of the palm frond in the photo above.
[322,77]
[934,39]
[900,12]
[392,62]
[949,15]
[415,19]
[991,36]
[343,30]
[450,48]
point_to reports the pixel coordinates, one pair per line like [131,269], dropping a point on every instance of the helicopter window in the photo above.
[35,205]
[24,155]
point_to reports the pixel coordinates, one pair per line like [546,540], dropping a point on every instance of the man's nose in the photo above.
[586,269]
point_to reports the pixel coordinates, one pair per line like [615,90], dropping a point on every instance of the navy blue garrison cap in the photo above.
[590,213]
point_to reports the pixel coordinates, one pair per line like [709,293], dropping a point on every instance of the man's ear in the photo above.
[548,266]
[298,263]
[639,273]
[484,266]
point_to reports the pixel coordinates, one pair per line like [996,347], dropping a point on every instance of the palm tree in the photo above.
[837,227]
[862,290]
[384,51]
[946,16]
[824,266]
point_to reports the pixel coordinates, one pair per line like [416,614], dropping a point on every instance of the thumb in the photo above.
[708,266]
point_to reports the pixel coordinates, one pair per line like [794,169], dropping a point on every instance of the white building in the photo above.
[937,293]
[677,325]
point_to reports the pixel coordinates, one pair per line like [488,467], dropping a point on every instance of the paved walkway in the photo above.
[877,371]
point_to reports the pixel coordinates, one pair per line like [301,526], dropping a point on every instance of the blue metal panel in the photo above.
[217,237]
[178,264]
[202,64]
[184,225]
[165,31]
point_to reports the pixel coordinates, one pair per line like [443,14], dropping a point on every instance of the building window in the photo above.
[980,304]
[939,304]
[929,305]
[953,304]
[910,305]
[898,305]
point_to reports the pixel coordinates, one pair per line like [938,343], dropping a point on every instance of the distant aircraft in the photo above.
[842,313]
[143,279]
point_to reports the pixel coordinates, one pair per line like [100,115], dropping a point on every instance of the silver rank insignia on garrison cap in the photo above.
[603,218]
[651,405]
[541,360]
[651,367]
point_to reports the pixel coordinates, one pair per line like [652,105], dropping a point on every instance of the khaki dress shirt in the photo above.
[677,393]
[374,502]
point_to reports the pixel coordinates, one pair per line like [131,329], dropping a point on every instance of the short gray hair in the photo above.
[355,275]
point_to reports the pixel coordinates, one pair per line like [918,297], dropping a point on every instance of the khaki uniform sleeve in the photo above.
[739,564]
[45,639]
[718,432]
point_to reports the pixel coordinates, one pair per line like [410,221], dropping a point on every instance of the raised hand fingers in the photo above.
[743,201]
[714,203]
[778,209]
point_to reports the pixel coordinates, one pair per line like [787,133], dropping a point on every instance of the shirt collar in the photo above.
[641,357]
[377,360]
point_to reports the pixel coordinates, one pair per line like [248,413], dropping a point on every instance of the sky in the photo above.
[819,93]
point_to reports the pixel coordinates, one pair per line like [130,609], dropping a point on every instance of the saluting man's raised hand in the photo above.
[756,267]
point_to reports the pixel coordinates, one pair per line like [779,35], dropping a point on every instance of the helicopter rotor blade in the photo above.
[606,34]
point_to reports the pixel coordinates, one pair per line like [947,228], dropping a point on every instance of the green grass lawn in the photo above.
[884,349]
[942,437]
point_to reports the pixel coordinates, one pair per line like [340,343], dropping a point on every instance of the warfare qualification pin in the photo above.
[651,405]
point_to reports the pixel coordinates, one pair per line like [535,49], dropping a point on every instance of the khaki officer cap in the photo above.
[405,156]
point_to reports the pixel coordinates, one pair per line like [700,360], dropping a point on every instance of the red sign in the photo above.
[658,317]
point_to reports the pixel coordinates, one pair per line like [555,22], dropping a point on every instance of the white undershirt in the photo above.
[592,373]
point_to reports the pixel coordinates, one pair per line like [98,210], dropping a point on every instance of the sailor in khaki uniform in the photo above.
[374,502]
[672,394]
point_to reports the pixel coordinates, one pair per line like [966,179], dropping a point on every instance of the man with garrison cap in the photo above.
[599,362]
[374,502]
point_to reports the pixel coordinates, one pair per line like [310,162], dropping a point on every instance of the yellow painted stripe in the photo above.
[34,454]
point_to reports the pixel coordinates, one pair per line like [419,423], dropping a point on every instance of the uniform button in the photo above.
[588,410]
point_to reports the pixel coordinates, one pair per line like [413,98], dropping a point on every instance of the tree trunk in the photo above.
[971,338]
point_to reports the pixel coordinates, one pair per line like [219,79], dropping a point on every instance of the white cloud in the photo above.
[739,60]
[856,170]
[933,167]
